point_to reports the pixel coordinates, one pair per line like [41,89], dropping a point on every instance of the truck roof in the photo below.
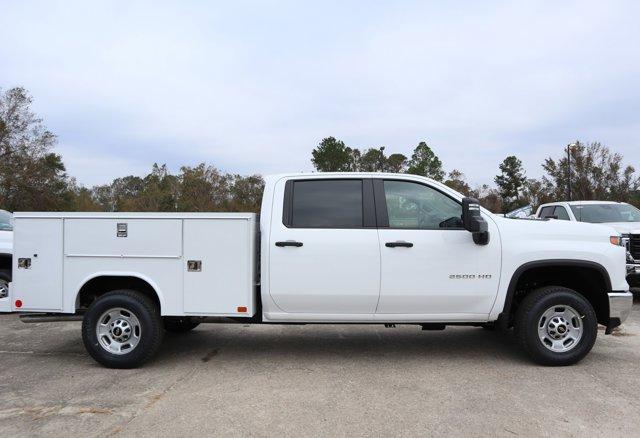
[581,202]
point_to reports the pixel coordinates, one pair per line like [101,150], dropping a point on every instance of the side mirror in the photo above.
[473,221]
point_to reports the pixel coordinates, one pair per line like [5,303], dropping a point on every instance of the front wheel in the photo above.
[556,326]
[122,329]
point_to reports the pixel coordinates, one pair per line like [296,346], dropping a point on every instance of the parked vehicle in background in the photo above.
[354,248]
[622,217]
[6,249]
[525,212]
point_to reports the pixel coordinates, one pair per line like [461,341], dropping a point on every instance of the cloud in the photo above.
[254,86]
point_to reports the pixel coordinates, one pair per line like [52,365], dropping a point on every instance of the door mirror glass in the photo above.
[474,222]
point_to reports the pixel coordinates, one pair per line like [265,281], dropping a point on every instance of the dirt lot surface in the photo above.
[316,380]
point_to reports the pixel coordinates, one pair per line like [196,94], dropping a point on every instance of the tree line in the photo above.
[594,171]
[33,176]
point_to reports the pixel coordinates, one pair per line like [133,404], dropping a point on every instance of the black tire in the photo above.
[150,328]
[529,317]
[178,324]
[489,326]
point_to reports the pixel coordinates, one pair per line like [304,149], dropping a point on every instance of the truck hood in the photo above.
[625,227]
[562,229]
[6,242]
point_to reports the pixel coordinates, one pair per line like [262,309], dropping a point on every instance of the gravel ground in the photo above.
[316,380]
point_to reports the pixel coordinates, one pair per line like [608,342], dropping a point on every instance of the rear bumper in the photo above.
[620,305]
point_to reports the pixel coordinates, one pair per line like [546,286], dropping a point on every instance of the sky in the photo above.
[253,87]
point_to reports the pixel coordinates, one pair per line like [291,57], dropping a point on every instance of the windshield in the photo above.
[601,213]
[520,213]
[6,221]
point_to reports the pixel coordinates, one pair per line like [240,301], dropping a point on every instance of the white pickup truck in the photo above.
[327,248]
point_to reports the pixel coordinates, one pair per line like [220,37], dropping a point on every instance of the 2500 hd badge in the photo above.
[469,276]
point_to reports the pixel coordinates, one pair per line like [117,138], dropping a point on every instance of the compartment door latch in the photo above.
[194,265]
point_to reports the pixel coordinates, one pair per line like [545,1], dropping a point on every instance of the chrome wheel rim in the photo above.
[4,289]
[118,331]
[560,328]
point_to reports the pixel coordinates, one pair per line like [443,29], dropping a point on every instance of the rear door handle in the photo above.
[289,243]
[401,244]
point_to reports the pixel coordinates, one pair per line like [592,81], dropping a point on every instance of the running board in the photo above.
[48,317]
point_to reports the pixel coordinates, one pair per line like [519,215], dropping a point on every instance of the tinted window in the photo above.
[599,213]
[546,211]
[562,214]
[327,204]
[415,206]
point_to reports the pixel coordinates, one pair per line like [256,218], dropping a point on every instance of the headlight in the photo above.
[616,240]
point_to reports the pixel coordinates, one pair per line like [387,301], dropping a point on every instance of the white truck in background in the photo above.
[361,248]
[622,217]
[6,251]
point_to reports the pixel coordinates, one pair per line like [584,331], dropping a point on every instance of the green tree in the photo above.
[596,173]
[488,197]
[426,163]
[373,160]
[159,191]
[535,192]
[457,182]
[396,163]
[332,155]
[32,177]
[203,188]
[511,181]
[246,193]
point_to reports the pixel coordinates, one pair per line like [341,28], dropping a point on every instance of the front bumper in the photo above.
[620,305]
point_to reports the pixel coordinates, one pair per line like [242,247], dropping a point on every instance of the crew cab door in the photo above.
[430,264]
[323,247]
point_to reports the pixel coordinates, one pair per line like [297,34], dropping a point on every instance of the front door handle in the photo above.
[289,243]
[399,243]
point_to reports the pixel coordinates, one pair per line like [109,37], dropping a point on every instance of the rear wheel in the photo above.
[179,324]
[5,279]
[556,326]
[122,329]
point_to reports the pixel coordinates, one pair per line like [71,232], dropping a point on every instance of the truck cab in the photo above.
[367,248]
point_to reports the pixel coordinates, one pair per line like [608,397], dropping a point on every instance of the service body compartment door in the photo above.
[38,284]
[219,265]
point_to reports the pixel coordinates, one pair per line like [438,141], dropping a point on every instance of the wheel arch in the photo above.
[97,284]
[590,279]
[5,261]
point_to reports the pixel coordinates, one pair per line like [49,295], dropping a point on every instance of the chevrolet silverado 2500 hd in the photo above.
[326,248]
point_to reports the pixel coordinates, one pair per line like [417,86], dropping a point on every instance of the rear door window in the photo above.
[327,204]
[562,214]
[546,211]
